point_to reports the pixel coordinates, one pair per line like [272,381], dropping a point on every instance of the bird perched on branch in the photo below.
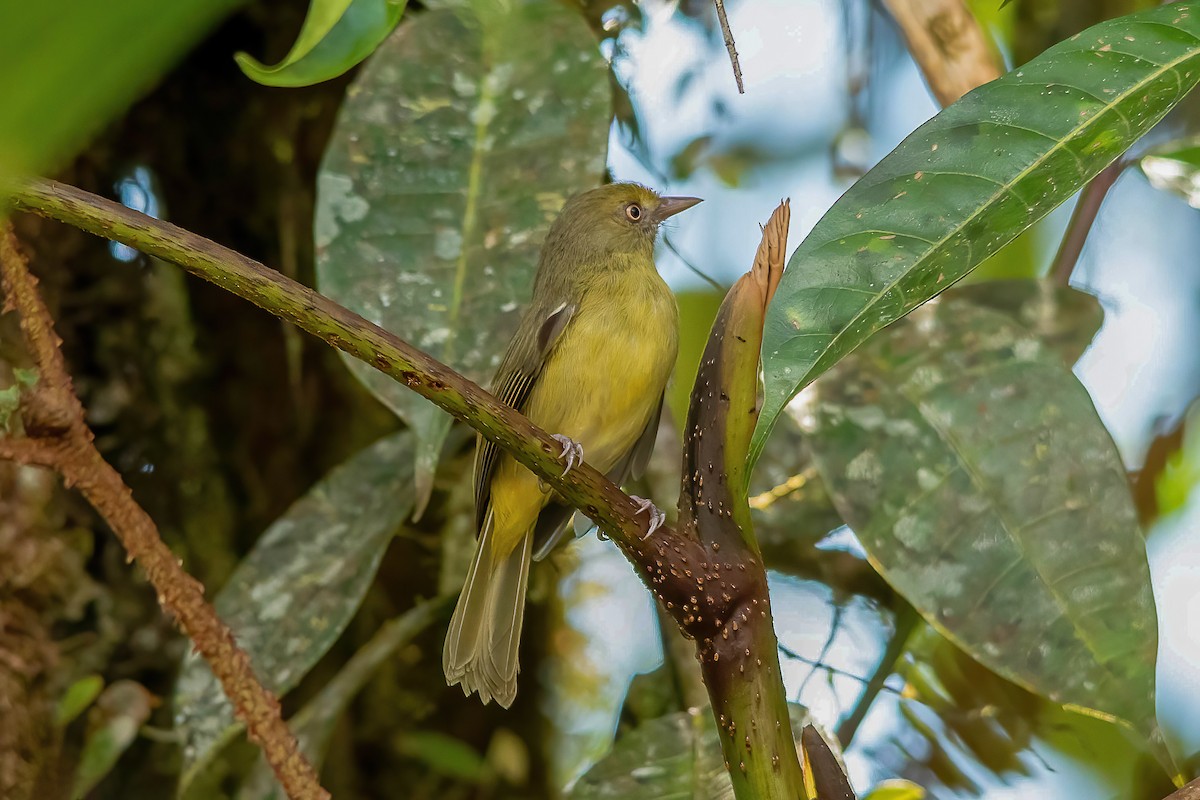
[590,361]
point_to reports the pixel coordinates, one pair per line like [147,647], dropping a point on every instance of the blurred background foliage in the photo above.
[416,188]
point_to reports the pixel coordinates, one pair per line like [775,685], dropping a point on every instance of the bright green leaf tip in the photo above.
[337,35]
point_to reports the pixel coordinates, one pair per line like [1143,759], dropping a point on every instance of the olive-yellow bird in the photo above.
[589,363]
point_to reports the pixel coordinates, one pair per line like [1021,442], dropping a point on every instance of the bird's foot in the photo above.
[572,451]
[657,517]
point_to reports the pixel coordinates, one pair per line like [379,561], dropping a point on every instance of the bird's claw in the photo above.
[657,517]
[572,451]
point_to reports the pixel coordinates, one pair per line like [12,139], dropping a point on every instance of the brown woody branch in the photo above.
[57,437]
[948,45]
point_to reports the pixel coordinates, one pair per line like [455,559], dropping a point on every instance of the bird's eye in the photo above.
[633,212]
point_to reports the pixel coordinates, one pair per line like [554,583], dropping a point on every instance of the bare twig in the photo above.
[729,45]
[1082,219]
[948,45]
[58,438]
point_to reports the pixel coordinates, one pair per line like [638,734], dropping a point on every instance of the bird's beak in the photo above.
[670,206]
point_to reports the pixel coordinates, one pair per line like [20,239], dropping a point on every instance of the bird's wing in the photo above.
[639,457]
[519,370]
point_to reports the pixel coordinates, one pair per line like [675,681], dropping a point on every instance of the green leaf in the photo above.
[294,593]
[1065,319]
[454,151]
[966,183]
[336,36]
[896,790]
[113,726]
[1181,473]
[444,755]
[70,67]
[79,695]
[677,756]
[1175,168]
[314,724]
[974,469]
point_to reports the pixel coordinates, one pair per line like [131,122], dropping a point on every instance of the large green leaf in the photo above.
[455,149]
[337,35]
[69,67]
[974,469]
[1065,319]
[966,183]
[677,756]
[293,595]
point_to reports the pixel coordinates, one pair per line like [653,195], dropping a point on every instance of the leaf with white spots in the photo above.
[294,593]
[455,149]
[966,183]
[1065,319]
[974,469]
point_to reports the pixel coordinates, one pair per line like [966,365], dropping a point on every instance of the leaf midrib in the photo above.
[471,211]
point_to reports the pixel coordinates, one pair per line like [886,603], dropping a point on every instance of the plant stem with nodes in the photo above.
[57,437]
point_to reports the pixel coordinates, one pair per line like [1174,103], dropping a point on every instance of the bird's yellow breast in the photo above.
[601,383]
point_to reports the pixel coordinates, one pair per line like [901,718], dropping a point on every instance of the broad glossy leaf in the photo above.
[314,724]
[1175,168]
[336,36]
[294,593]
[69,67]
[974,469]
[966,183]
[1065,319]
[454,151]
[677,756]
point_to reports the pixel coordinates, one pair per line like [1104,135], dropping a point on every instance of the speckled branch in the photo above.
[57,437]
[584,487]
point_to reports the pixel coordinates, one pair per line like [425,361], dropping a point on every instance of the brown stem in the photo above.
[730,47]
[1082,218]
[58,438]
[729,609]
[948,44]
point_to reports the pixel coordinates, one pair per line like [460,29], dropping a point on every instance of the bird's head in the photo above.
[617,218]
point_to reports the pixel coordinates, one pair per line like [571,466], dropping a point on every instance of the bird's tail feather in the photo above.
[485,631]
